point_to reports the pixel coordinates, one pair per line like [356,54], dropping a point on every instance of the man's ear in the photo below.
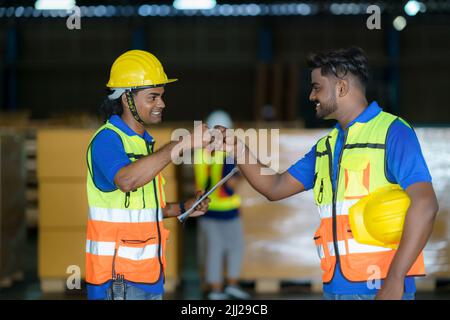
[342,88]
[123,98]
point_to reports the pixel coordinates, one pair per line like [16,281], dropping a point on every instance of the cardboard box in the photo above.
[63,204]
[60,248]
[61,153]
[171,190]
[174,249]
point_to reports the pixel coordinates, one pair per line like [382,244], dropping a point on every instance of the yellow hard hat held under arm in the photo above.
[378,218]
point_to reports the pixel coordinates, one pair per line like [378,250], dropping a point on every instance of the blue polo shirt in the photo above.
[108,157]
[405,166]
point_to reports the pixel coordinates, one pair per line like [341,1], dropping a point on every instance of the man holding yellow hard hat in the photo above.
[126,238]
[371,166]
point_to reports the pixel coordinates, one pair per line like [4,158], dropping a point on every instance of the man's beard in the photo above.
[326,108]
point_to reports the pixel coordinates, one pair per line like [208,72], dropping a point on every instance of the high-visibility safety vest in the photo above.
[208,171]
[125,231]
[361,170]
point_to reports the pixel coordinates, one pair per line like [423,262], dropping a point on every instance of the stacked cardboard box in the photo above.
[61,171]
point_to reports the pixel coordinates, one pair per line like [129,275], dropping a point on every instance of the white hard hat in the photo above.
[219,117]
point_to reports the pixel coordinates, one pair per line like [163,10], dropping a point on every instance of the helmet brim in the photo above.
[108,85]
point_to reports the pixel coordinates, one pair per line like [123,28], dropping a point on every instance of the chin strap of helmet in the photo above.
[132,107]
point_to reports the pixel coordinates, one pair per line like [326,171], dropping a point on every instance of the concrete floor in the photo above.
[190,288]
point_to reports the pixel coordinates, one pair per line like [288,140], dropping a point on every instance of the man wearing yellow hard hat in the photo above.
[126,238]
[370,182]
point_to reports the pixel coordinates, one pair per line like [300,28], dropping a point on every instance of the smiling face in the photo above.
[323,95]
[150,105]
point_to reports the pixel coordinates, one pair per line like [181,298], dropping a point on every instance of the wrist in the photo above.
[395,276]
[182,207]
[239,150]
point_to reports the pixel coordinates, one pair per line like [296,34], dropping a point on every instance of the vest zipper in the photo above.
[143,187]
[335,190]
[157,214]
[114,265]
[335,194]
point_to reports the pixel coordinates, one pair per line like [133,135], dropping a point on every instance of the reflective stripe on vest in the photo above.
[125,232]
[148,252]
[353,247]
[326,211]
[362,166]
[124,215]
[101,248]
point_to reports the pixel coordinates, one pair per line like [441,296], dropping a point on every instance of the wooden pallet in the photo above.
[274,286]
[8,281]
[171,285]
[271,286]
[32,198]
[429,283]
[52,285]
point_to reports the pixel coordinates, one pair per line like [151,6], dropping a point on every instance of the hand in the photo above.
[201,208]
[202,137]
[230,143]
[199,138]
[392,289]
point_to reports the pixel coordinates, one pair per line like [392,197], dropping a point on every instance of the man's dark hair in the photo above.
[111,107]
[340,62]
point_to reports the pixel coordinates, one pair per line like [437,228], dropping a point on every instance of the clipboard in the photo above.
[182,217]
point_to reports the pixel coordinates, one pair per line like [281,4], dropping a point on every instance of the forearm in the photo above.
[144,170]
[171,210]
[252,170]
[416,232]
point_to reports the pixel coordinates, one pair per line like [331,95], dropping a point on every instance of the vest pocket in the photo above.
[363,261]
[356,177]
[320,240]
[137,259]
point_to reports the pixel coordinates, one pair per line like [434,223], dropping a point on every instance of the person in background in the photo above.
[221,226]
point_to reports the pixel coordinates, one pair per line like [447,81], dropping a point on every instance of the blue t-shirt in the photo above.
[405,166]
[108,157]
[229,214]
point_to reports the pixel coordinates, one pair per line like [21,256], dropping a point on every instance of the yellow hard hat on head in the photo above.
[137,68]
[378,218]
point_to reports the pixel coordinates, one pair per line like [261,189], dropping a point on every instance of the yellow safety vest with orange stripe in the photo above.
[125,233]
[208,171]
[361,170]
